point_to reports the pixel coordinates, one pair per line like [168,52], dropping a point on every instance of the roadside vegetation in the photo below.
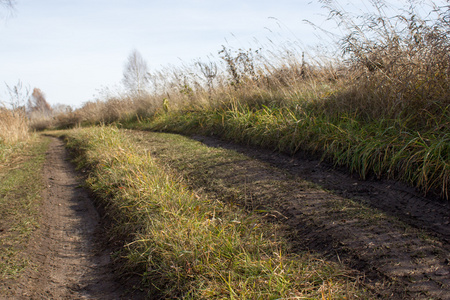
[380,106]
[188,246]
[21,160]
[20,188]
[14,131]
[20,115]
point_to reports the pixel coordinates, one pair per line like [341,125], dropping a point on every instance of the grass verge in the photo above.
[20,188]
[185,245]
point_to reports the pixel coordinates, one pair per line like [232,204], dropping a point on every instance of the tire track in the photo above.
[65,250]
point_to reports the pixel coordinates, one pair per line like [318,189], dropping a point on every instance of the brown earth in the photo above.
[394,238]
[66,253]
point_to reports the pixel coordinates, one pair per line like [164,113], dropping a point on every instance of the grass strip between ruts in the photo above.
[187,246]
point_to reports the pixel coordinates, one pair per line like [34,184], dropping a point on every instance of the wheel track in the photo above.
[68,260]
[394,198]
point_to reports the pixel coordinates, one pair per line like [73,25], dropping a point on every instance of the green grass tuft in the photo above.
[381,148]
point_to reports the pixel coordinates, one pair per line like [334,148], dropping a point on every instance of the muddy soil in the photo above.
[427,212]
[67,257]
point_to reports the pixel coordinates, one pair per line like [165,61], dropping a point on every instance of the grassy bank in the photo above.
[20,188]
[378,103]
[185,245]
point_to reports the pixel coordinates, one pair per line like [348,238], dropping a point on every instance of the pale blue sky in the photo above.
[71,48]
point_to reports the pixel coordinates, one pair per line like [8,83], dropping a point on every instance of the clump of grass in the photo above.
[190,247]
[13,130]
[20,188]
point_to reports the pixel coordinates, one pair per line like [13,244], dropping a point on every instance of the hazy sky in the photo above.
[71,48]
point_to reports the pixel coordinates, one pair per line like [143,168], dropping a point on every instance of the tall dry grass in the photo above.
[398,62]
[13,130]
[387,63]
[13,126]
[188,89]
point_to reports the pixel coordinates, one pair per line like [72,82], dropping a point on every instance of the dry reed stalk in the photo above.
[13,126]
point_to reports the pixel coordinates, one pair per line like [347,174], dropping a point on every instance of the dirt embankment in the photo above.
[67,260]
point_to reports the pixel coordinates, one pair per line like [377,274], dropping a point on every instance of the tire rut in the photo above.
[65,251]
[428,213]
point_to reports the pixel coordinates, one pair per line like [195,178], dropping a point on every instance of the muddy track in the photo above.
[68,260]
[394,198]
[395,240]
[399,261]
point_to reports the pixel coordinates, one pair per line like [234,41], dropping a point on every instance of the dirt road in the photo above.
[395,239]
[68,261]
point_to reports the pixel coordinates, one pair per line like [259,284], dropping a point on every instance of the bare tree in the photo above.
[60,108]
[38,104]
[136,74]
[8,4]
